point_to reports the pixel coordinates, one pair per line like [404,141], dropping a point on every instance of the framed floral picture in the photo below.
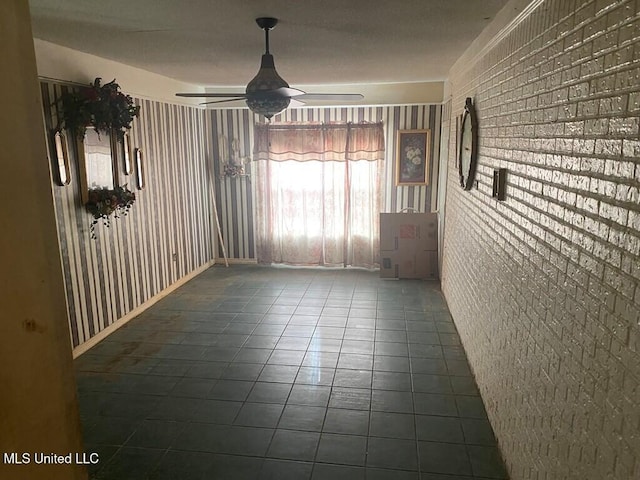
[413,157]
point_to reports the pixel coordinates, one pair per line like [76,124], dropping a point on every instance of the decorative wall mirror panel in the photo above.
[139,169]
[61,158]
[97,168]
[126,153]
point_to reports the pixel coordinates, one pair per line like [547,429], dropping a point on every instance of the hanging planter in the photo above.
[103,203]
[103,107]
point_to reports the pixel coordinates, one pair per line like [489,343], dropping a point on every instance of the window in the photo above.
[319,193]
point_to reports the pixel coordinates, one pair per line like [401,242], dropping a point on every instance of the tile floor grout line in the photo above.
[317,290]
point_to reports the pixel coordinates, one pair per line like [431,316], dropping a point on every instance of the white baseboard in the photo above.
[237,261]
[97,338]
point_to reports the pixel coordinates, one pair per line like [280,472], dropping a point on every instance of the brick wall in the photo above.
[544,287]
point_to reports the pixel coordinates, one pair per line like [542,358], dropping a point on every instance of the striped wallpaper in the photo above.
[234,196]
[167,234]
[170,231]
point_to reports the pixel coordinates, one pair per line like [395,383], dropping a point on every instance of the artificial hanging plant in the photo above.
[104,202]
[103,107]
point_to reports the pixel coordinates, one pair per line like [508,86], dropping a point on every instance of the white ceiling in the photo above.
[321,42]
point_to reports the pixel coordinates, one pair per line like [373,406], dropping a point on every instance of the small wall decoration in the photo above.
[233,163]
[468,145]
[499,184]
[126,153]
[62,172]
[139,169]
[413,157]
[103,107]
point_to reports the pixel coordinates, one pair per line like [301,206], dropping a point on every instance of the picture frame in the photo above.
[61,165]
[413,155]
[97,168]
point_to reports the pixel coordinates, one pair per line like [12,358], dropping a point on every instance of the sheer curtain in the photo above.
[319,190]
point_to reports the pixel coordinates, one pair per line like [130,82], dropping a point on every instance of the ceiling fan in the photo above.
[268,94]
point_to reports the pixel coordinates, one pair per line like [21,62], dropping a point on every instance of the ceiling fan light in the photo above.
[268,105]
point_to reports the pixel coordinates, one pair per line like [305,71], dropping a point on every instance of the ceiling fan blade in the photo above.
[222,101]
[286,92]
[212,95]
[295,103]
[346,97]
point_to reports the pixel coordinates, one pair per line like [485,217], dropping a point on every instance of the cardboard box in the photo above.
[408,245]
[426,264]
[419,265]
[389,267]
[421,228]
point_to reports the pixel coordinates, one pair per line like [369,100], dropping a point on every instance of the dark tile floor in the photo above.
[277,373]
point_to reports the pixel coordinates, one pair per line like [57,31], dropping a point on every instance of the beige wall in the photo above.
[38,406]
[56,62]
[544,287]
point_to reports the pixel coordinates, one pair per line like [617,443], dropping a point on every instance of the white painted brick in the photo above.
[618,59]
[613,105]
[627,193]
[628,78]
[554,340]
[631,148]
[623,126]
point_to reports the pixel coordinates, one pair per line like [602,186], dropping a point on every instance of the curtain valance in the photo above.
[323,142]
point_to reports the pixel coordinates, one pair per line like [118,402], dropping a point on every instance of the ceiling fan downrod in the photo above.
[266,24]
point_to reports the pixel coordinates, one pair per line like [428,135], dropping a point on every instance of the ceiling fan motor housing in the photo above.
[259,97]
